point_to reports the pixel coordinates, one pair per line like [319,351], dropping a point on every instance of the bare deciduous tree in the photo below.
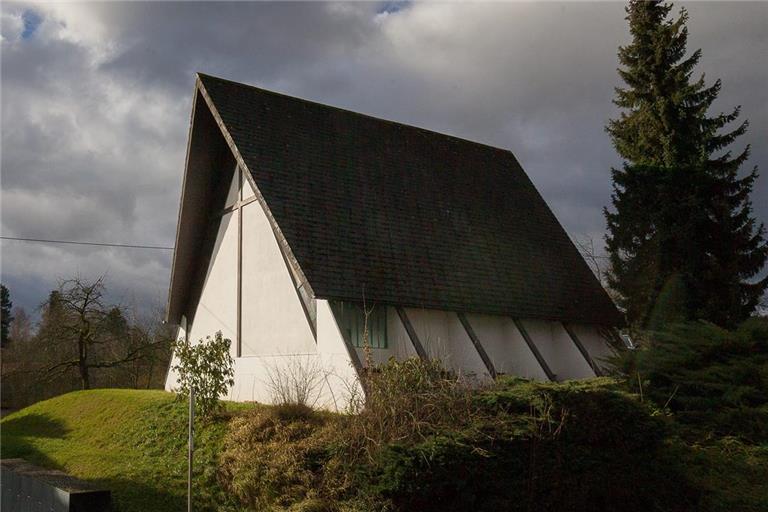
[596,262]
[95,335]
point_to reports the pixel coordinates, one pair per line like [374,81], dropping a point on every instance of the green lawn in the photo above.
[130,441]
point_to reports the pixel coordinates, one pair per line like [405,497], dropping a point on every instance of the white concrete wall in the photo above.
[399,345]
[247,189]
[171,377]
[329,365]
[233,192]
[276,336]
[217,309]
[277,340]
[506,347]
[273,319]
[558,349]
[594,342]
[444,338]
[343,381]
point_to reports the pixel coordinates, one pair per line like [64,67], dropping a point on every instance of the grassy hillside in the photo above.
[130,441]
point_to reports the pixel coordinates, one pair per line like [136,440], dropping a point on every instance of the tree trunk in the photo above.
[83,365]
[150,372]
[84,379]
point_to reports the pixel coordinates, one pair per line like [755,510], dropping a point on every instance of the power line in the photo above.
[98,244]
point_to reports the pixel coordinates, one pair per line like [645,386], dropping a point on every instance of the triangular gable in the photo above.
[209,184]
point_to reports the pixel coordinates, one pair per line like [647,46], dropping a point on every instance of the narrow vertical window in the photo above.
[361,326]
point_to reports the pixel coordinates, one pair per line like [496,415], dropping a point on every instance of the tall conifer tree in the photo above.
[682,221]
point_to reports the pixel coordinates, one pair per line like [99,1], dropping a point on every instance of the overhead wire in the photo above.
[97,244]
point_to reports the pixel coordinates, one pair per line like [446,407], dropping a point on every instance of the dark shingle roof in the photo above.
[410,216]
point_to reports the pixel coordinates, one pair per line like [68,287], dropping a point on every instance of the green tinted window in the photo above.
[353,324]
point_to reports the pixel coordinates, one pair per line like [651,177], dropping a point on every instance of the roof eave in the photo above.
[170,303]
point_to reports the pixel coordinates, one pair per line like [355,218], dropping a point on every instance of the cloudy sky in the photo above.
[96,100]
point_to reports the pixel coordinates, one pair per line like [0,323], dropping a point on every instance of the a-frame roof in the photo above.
[400,215]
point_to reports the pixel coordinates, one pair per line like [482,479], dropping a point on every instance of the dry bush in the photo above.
[406,401]
[353,395]
[282,456]
[296,379]
[291,457]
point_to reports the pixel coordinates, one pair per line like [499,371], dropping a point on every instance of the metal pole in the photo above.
[191,446]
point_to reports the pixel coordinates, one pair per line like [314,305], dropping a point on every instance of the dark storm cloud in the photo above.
[96,101]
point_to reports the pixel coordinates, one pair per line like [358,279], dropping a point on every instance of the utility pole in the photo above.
[191,447]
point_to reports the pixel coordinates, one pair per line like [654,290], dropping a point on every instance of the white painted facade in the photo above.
[277,333]
[506,346]
[445,339]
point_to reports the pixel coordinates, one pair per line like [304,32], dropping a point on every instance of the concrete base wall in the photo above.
[506,346]
[558,349]
[445,339]
[327,369]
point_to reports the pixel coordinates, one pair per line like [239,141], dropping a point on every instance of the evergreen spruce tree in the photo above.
[682,221]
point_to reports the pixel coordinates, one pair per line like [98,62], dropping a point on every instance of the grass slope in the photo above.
[130,441]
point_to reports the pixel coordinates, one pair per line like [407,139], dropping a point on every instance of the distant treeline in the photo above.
[80,342]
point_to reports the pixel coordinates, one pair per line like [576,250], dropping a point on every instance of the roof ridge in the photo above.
[359,114]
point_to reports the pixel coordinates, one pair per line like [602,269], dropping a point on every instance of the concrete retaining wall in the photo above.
[28,488]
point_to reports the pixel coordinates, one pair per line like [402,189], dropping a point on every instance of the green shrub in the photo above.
[207,368]
[714,380]
[545,447]
[730,474]
[289,457]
